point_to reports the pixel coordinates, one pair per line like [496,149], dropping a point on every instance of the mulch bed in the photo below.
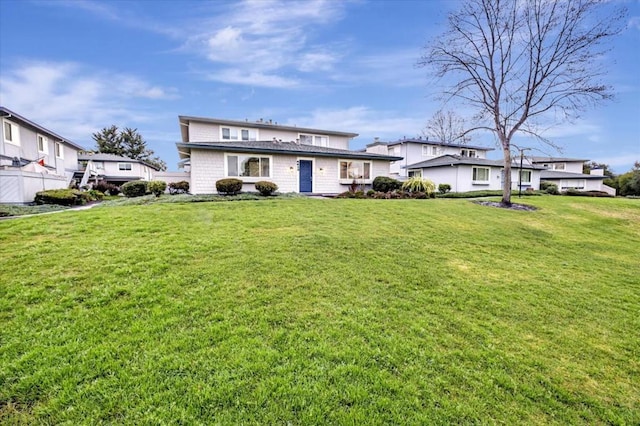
[513,206]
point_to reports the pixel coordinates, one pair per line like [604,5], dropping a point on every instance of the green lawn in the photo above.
[310,311]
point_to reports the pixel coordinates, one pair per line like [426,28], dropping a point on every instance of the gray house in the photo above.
[32,158]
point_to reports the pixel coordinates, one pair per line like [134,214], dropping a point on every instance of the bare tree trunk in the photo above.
[506,181]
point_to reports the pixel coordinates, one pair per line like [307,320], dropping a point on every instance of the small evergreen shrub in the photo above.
[63,197]
[266,188]
[443,188]
[386,184]
[135,188]
[157,187]
[181,187]
[230,186]
[549,187]
[371,193]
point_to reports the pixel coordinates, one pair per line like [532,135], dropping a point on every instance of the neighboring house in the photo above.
[474,174]
[417,150]
[112,168]
[296,159]
[567,174]
[32,159]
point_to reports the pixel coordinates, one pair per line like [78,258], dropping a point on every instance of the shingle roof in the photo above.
[36,126]
[425,141]
[552,174]
[99,156]
[282,148]
[451,160]
[263,125]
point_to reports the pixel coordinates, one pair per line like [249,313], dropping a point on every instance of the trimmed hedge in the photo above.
[443,188]
[386,184]
[62,197]
[230,186]
[181,187]
[135,188]
[266,188]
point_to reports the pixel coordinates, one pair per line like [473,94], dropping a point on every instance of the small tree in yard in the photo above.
[516,63]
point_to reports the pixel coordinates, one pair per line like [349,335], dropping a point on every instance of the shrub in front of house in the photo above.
[371,193]
[386,184]
[549,187]
[157,187]
[135,188]
[63,197]
[266,188]
[94,195]
[443,188]
[229,186]
[418,184]
[181,187]
[106,188]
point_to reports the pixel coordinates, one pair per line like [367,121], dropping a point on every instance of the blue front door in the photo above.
[306,176]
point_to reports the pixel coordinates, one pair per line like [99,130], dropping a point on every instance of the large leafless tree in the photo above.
[446,126]
[521,62]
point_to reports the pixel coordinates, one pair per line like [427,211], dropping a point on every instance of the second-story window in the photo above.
[234,134]
[317,140]
[11,134]
[469,153]
[59,149]
[124,166]
[42,144]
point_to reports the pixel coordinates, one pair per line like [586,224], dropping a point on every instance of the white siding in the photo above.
[17,186]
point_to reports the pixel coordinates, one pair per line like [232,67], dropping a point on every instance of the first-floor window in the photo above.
[481,174]
[415,173]
[59,150]
[249,166]
[355,170]
[124,166]
[525,176]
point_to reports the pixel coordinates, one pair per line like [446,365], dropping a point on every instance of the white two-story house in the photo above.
[297,159]
[113,168]
[32,158]
[417,150]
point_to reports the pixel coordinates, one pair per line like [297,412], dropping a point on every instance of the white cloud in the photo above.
[267,39]
[73,100]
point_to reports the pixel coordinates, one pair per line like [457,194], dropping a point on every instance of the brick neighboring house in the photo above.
[32,158]
[297,159]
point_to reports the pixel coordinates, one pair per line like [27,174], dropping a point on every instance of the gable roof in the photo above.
[185,119]
[99,156]
[454,160]
[270,147]
[426,141]
[10,114]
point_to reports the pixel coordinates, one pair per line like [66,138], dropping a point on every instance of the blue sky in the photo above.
[78,66]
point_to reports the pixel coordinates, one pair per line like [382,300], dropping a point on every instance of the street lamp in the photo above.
[522,150]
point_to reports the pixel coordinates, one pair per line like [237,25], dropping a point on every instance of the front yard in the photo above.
[311,311]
